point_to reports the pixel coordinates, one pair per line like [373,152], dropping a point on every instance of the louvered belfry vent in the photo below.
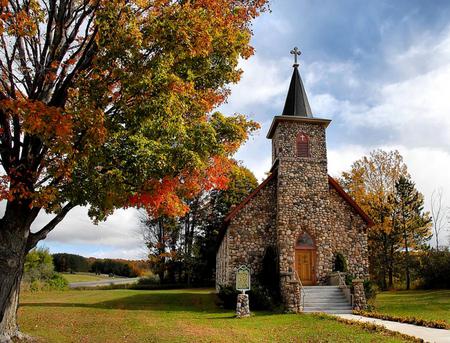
[302,145]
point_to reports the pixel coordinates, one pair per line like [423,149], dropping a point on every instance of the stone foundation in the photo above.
[359,296]
[242,306]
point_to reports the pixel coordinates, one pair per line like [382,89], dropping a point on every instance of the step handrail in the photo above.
[345,288]
[302,291]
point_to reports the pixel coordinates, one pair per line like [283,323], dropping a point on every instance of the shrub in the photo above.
[349,279]
[38,265]
[57,282]
[269,275]
[39,272]
[228,296]
[434,270]
[340,263]
[260,298]
[149,280]
[369,289]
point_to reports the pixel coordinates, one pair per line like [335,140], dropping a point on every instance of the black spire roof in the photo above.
[296,101]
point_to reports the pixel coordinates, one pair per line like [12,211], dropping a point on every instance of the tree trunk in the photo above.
[8,326]
[408,279]
[385,262]
[391,266]
[14,232]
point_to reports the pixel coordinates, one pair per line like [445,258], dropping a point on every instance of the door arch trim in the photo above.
[305,250]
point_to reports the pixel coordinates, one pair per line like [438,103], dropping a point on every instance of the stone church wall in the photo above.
[249,233]
[349,235]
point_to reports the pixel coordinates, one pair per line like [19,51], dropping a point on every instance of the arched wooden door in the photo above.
[305,259]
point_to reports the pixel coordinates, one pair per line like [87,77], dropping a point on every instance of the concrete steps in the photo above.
[327,299]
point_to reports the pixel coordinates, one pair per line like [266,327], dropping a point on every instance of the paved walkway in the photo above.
[427,334]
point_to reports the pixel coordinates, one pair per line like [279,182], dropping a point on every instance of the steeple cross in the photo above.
[296,52]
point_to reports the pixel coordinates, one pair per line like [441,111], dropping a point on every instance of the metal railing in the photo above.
[345,288]
[302,291]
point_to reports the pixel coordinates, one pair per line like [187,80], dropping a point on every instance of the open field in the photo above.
[429,305]
[169,316]
[83,277]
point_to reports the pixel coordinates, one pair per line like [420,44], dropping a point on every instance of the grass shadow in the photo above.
[169,302]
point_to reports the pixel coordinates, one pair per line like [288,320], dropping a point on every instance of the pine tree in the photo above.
[410,220]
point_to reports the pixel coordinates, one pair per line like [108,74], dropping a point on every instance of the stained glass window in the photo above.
[305,240]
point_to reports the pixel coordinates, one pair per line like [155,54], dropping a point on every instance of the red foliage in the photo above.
[167,196]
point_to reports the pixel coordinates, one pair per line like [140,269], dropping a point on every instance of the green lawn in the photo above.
[429,305]
[170,316]
[82,277]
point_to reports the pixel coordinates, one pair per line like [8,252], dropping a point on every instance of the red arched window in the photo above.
[302,145]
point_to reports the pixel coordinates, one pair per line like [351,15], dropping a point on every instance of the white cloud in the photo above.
[261,82]
[118,236]
[341,159]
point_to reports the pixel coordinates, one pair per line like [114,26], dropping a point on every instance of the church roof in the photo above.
[332,183]
[296,101]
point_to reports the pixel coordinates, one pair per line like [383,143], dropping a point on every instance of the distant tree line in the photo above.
[71,263]
[183,249]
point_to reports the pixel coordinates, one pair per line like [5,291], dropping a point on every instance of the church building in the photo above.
[298,210]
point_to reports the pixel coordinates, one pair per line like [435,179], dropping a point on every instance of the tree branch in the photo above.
[34,238]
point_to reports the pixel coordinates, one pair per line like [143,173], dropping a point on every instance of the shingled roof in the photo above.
[296,101]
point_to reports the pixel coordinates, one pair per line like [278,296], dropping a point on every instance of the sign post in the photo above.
[243,278]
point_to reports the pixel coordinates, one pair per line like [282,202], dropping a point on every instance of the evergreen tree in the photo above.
[411,221]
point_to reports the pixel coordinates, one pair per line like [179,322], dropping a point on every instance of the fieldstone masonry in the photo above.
[359,298]
[242,306]
[298,197]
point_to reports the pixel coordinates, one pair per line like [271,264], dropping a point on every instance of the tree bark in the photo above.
[14,232]
[385,262]
[391,266]
[408,277]
[15,242]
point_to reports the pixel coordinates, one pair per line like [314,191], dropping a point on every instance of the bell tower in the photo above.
[299,158]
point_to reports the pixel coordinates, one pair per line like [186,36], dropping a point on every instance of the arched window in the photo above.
[302,145]
[304,241]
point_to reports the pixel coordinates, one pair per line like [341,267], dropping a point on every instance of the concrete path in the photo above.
[427,334]
[105,282]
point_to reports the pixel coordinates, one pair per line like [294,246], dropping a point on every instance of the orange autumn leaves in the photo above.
[135,88]
[56,129]
[39,119]
[167,196]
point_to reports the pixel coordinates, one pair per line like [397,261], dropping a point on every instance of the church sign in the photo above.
[243,279]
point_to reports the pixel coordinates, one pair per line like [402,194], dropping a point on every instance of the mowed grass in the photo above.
[170,316]
[429,305]
[82,277]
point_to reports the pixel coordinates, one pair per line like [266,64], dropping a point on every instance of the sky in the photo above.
[379,69]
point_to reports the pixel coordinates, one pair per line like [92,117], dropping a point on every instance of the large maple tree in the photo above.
[107,104]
